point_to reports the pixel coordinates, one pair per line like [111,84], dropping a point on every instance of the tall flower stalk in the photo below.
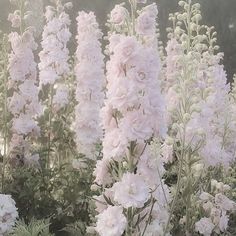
[90,80]
[54,66]
[4,107]
[194,80]
[24,104]
[130,172]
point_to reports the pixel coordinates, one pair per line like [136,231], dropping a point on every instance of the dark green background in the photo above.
[219,13]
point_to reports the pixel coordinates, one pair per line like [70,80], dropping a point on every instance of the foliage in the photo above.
[78,228]
[33,228]
[61,193]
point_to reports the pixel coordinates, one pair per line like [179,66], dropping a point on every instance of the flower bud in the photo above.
[169,141]
[186,117]
[198,17]
[181,3]
[213,183]
[94,187]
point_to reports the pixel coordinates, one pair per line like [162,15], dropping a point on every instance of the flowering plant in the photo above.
[115,135]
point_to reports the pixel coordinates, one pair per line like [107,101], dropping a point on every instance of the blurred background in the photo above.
[218,13]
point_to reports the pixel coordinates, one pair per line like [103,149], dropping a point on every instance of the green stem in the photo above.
[188,171]
[149,217]
[5,115]
[133,5]
[162,186]
[178,182]
[189,24]
[21,8]
[189,198]
[130,221]
[50,125]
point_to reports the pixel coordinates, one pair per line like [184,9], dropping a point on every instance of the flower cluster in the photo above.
[111,221]
[212,124]
[218,209]
[8,213]
[54,75]
[90,80]
[200,111]
[133,114]
[24,104]
[146,25]
[54,55]
[194,76]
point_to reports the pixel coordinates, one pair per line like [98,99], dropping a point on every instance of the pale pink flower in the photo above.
[25,125]
[15,19]
[114,40]
[136,126]
[131,191]
[126,48]
[146,25]
[61,98]
[114,144]
[119,15]
[111,222]
[167,153]
[150,168]
[32,160]
[54,55]
[90,80]
[224,203]
[8,213]
[154,229]
[204,226]
[16,103]
[224,221]
[101,172]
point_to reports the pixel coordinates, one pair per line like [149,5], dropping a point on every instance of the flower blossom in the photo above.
[132,191]
[8,213]
[24,104]
[119,15]
[133,113]
[111,222]
[54,55]
[204,226]
[90,80]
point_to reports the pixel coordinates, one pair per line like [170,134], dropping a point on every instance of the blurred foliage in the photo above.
[60,193]
[231,180]
[76,229]
[34,228]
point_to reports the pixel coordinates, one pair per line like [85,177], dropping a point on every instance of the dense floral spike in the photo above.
[198,102]
[54,77]
[133,114]
[8,214]
[193,75]
[24,104]
[217,209]
[90,80]
[55,54]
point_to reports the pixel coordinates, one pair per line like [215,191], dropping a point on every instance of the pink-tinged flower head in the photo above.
[111,222]
[131,191]
[8,213]
[126,48]
[119,15]
[90,79]
[204,226]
